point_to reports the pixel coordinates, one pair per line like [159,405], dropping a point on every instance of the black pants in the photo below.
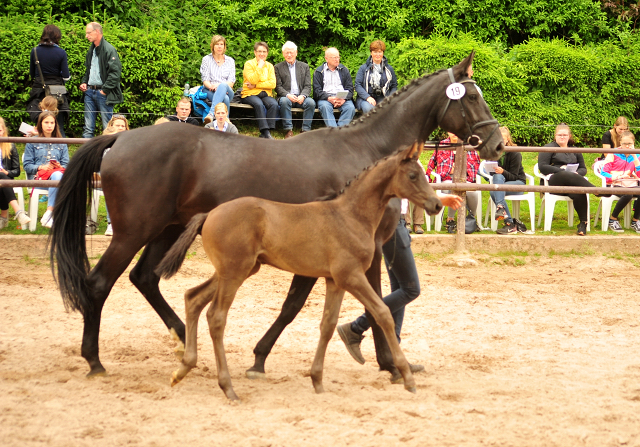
[624,200]
[564,178]
[6,194]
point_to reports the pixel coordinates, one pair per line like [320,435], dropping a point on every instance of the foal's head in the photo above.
[410,181]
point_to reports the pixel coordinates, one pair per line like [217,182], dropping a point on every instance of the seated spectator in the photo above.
[218,72]
[293,87]
[259,81]
[508,172]
[48,104]
[119,122]
[183,110]
[441,162]
[611,138]
[623,170]
[221,122]
[331,80]
[555,164]
[46,161]
[9,169]
[376,79]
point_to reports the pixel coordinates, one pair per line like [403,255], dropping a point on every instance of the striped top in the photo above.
[212,72]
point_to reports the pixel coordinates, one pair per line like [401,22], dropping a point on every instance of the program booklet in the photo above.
[342,94]
[25,128]
[490,166]
[572,167]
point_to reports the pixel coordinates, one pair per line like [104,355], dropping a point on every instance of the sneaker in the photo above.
[109,231]
[43,198]
[614,225]
[582,229]
[22,218]
[520,226]
[3,222]
[452,226]
[635,225]
[501,213]
[208,119]
[352,341]
[91,227]
[47,219]
[509,228]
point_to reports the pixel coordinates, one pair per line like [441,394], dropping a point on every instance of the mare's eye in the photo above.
[473,97]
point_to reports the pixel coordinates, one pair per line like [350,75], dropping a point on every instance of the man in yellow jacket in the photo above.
[259,81]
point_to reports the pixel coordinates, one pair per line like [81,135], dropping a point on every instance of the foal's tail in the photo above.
[174,258]
[67,237]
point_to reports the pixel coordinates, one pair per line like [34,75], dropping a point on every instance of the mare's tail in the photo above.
[67,237]
[174,258]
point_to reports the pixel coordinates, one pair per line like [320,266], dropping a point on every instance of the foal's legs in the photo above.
[298,292]
[330,315]
[195,299]
[146,281]
[356,284]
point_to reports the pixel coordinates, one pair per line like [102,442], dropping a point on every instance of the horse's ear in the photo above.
[463,67]
[414,151]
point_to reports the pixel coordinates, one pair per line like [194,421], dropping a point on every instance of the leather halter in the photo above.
[472,139]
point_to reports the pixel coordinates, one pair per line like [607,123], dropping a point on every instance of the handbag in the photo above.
[44,174]
[50,90]
[626,182]
[470,224]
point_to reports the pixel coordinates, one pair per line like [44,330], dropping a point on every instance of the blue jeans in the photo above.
[364,105]
[95,102]
[403,275]
[53,191]
[223,93]
[347,111]
[309,107]
[266,110]
[498,196]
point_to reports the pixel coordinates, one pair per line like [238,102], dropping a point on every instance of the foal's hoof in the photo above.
[97,372]
[179,349]
[396,378]
[253,374]
[411,389]
[174,378]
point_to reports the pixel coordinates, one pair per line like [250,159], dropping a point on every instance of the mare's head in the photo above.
[465,112]
[410,182]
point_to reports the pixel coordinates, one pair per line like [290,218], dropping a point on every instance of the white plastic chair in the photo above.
[34,199]
[95,203]
[606,203]
[438,217]
[549,203]
[19,197]
[529,197]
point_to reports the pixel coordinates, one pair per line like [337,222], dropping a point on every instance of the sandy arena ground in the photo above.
[520,351]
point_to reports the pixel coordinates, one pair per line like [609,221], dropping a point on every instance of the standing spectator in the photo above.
[46,160]
[331,80]
[55,69]
[9,169]
[221,123]
[218,72]
[183,110]
[441,162]
[259,81]
[508,172]
[101,81]
[376,79]
[620,169]
[611,138]
[293,86]
[555,163]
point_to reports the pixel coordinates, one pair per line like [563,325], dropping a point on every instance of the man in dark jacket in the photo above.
[333,88]
[101,81]
[293,86]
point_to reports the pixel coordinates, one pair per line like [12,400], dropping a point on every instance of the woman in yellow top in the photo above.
[259,81]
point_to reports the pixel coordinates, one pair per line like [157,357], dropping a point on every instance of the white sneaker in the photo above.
[23,219]
[636,225]
[109,231]
[614,225]
[47,219]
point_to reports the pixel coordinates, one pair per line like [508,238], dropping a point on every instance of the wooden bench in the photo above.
[241,105]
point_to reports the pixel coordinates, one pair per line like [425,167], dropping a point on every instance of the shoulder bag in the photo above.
[50,90]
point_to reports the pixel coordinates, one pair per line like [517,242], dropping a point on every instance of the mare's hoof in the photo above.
[97,372]
[179,349]
[253,374]
[174,378]
[233,397]
[319,388]
[411,389]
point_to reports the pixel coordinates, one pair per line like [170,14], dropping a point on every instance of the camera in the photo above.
[377,91]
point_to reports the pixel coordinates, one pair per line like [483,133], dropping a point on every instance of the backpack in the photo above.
[199,102]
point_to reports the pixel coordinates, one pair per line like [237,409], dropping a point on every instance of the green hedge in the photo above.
[150,69]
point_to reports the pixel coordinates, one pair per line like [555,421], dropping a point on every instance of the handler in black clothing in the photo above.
[183,110]
[556,163]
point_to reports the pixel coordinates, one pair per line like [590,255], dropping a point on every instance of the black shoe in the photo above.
[582,229]
[501,213]
[509,228]
[352,341]
[266,134]
[520,226]
[452,226]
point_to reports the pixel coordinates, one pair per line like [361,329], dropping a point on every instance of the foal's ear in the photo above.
[414,151]
[463,67]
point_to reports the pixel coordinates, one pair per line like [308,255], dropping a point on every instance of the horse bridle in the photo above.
[472,139]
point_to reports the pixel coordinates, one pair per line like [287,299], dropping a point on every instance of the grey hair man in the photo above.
[333,88]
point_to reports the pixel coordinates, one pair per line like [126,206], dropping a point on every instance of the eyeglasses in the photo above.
[626,144]
[562,135]
[333,57]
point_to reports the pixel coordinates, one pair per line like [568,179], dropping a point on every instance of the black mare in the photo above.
[156,178]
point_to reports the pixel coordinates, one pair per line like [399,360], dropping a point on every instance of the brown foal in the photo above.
[333,239]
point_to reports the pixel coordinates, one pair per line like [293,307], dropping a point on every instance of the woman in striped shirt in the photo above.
[218,73]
